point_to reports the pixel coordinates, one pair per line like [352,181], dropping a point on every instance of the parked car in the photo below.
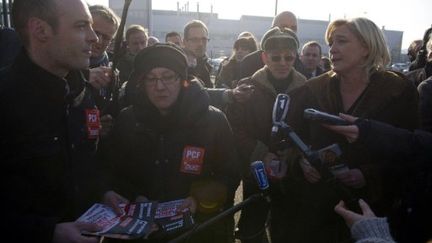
[400,67]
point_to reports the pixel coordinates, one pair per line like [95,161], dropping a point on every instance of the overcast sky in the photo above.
[412,17]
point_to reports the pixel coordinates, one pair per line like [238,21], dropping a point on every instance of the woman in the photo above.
[230,70]
[358,85]
[170,144]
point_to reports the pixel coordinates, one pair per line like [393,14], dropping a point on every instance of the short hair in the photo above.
[106,13]
[135,28]
[281,15]
[248,43]
[371,36]
[172,34]
[23,10]
[312,43]
[194,24]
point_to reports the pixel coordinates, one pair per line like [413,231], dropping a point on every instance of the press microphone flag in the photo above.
[280,108]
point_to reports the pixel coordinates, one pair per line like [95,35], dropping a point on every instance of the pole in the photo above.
[276,7]
[216,218]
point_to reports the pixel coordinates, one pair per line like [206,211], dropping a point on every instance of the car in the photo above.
[400,67]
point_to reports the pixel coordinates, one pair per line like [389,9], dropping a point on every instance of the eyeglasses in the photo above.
[197,40]
[278,58]
[165,79]
[103,37]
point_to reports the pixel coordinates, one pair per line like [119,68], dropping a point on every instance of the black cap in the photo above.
[279,38]
[165,55]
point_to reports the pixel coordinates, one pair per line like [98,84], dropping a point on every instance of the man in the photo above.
[252,119]
[36,182]
[195,40]
[252,62]
[174,37]
[152,40]
[310,57]
[136,40]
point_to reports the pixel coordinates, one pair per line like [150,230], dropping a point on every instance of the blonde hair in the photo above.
[371,37]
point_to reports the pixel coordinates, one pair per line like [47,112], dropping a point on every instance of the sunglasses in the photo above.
[278,58]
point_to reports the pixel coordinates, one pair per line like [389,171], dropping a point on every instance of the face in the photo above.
[136,42]
[287,21]
[69,46]
[105,30]
[241,53]
[162,87]
[197,41]
[347,52]
[311,57]
[175,39]
[279,62]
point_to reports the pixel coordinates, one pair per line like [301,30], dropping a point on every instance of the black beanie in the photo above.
[165,55]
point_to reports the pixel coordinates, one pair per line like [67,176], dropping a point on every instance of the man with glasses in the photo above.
[171,144]
[196,37]
[252,120]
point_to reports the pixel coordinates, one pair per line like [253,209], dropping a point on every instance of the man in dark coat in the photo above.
[35,148]
[196,37]
[171,144]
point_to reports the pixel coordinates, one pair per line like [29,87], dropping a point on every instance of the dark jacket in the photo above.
[202,71]
[425,94]
[228,73]
[252,120]
[36,184]
[389,98]
[147,149]
[418,75]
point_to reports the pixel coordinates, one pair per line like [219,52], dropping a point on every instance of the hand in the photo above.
[275,167]
[351,132]
[113,200]
[243,92]
[106,125]
[351,217]
[100,77]
[190,203]
[310,173]
[353,178]
[71,232]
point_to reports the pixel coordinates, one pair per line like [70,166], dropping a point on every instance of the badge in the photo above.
[192,161]
[93,123]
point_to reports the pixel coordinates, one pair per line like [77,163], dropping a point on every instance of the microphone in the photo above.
[260,175]
[280,109]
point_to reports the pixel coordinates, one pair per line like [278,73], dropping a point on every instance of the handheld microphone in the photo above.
[259,172]
[280,109]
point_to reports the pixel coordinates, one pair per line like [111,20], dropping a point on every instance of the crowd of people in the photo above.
[176,132]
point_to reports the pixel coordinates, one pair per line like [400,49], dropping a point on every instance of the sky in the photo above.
[412,17]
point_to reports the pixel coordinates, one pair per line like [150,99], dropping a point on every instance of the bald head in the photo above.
[286,19]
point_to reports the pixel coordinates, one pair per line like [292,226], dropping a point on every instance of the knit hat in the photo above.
[165,55]
[279,38]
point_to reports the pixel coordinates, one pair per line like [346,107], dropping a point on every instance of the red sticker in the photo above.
[93,123]
[192,161]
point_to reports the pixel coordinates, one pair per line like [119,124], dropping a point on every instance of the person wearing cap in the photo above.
[230,70]
[252,62]
[171,144]
[252,119]
[358,84]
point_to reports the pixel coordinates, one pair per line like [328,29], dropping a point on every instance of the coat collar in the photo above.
[295,78]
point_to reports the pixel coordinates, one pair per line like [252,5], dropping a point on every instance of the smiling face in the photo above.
[347,52]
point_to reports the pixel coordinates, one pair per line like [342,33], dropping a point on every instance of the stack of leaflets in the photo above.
[138,220]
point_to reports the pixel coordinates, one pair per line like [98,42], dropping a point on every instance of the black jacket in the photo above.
[36,184]
[147,150]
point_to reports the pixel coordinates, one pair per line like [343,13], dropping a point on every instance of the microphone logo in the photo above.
[259,173]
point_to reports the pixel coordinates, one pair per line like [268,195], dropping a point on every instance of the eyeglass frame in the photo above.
[166,81]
